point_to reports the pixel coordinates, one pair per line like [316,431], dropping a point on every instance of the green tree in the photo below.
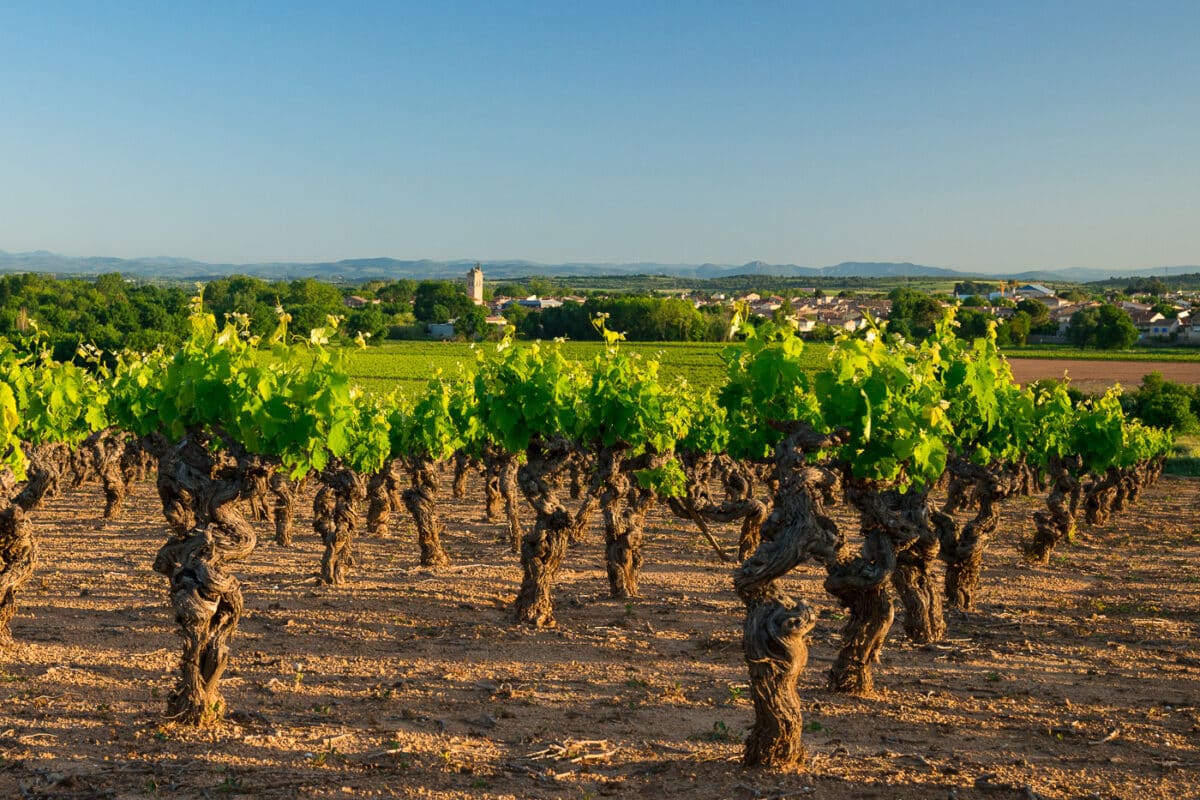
[1166,309]
[398,291]
[1014,330]
[973,323]
[913,314]
[368,320]
[1105,327]
[440,301]
[472,323]
[1151,286]
[1166,404]
[974,288]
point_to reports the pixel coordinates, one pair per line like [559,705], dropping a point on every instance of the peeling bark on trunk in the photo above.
[775,644]
[748,539]
[924,619]
[543,548]
[962,549]
[46,467]
[625,504]
[421,501]
[1028,479]
[335,517]
[1132,480]
[381,491]
[504,467]
[1057,523]
[18,558]
[131,467]
[1100,497]
[738,478]
[739,504]
[578,474]
[113,458]
[510,488]
[285,491]
[206,596]
[1121,497]
[258,485]
[462,465]
[493,500]
[894,526]
[774,634]
[860,583]
[1154,470]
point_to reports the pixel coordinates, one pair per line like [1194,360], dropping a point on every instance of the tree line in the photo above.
[113,312]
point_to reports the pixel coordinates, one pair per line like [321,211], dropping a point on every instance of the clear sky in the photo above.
[959,134]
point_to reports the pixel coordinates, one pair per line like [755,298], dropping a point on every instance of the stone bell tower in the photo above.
[475,285]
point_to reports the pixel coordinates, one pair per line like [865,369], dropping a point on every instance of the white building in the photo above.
[475,285]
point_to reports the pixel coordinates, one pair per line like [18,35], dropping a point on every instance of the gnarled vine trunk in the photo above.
[462,466]
[492,499]
[258,487]
[1100,497]
[421,500]
[860,583]
[897,536]
[740,503]
[503,468]
[924,619]
[18,558]
[962,549]
[543,548]
[116,460]
[625,503]
[200,490]
[335,516]
[382,488]
[774,634]
[1057,522]
[285,491]
[46,467]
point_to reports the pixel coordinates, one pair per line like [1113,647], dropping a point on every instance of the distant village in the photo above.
[1164,319]
[1151,324]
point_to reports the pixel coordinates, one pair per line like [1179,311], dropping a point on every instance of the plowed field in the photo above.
[1078,679]
[1096,376]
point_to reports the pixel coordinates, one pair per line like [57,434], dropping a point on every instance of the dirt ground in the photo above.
[1096,376]
[1076,680]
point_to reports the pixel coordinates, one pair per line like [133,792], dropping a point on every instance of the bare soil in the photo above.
[1076,680]
[1096,376]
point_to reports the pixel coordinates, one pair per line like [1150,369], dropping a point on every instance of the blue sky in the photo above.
[970,135]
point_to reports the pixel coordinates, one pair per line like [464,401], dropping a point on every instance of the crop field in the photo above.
[1076,679]
[1162,354]
[408,366]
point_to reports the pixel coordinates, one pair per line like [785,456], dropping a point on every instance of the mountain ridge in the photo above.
[356,270]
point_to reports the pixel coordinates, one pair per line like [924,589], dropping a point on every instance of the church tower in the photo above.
[475,285]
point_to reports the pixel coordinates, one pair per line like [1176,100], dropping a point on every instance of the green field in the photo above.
[1186,458]
[407,366]
[1140,354]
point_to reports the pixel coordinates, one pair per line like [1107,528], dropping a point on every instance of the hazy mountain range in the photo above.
[356,270]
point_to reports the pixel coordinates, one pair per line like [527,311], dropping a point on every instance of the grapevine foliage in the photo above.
[905,407]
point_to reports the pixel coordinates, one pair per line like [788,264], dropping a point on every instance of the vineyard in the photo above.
[474,657]
[406,366]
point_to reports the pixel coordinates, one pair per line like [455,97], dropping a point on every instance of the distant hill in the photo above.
[1091,274]
[356,270]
